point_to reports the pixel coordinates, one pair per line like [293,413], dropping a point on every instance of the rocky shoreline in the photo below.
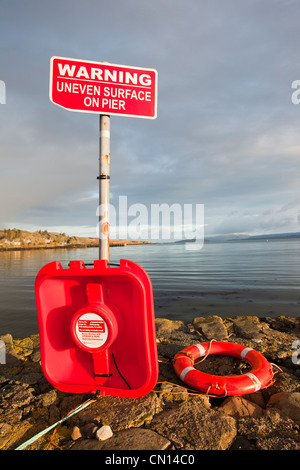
[95,244]
[22,240]
[170,417]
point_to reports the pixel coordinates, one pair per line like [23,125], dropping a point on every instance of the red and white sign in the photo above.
[103,88]
[91,330]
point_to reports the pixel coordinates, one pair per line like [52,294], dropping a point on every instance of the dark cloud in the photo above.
[227,134]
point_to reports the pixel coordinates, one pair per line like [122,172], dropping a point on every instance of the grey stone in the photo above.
[277,443]
[121,412]
[128,439]
[248,327]
[288,403]
[211,327]
[15,395]
[272,424]
[192,426]
[175,332]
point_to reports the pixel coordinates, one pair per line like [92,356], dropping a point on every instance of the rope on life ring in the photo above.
[259,377]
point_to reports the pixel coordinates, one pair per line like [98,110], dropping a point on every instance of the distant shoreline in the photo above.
[69,246]
[21,240]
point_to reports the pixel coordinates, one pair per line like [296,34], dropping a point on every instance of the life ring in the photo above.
[259,377]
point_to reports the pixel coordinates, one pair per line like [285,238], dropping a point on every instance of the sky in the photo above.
[227,132]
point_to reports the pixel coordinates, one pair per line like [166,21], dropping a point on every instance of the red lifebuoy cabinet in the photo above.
[97,328]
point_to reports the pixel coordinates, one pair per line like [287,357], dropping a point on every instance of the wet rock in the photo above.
[288,403]
[36,355]
[211,327]
[128,439]
[49,398]
[285,381]
[164,327]
[54,414]
[137,439]
[192,426]
[248,327]
[18,432]
[174,331]
[87,444]
[286,324]
[30,376]
[257,398]
[5,429]
[119,412]
[89,430]
[272,424]
[173,393]
[240,407]
[70,402]
[15,395]
[277,443]
[23,347]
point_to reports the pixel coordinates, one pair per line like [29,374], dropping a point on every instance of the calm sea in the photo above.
[233,278]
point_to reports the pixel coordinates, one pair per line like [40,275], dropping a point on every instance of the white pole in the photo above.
[104,177]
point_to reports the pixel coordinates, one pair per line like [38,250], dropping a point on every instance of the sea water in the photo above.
[242,277]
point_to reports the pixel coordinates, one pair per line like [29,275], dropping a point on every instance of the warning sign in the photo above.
[91,330]
[102,88]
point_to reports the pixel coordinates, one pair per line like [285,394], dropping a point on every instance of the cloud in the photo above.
[226,136]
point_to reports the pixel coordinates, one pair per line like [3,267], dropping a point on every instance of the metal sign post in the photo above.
[105,89]
[104,180]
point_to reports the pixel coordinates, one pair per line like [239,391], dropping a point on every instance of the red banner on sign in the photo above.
[103,88]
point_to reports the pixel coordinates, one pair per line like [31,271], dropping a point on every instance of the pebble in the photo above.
[104,433]
[76,434]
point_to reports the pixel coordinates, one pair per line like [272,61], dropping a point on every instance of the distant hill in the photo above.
[274,235]
[245,236]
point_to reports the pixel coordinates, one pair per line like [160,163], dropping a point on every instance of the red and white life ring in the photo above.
[259,377]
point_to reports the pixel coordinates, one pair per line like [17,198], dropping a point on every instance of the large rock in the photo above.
[288,403]
[240,407]
[15,395]
[120,412]
[272,425]
[277,443]
[175,331]
[282,323]
[211,327]
[165,327]
[193,426]
[248,327]
[285,381]
[128,439]
[10,436]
